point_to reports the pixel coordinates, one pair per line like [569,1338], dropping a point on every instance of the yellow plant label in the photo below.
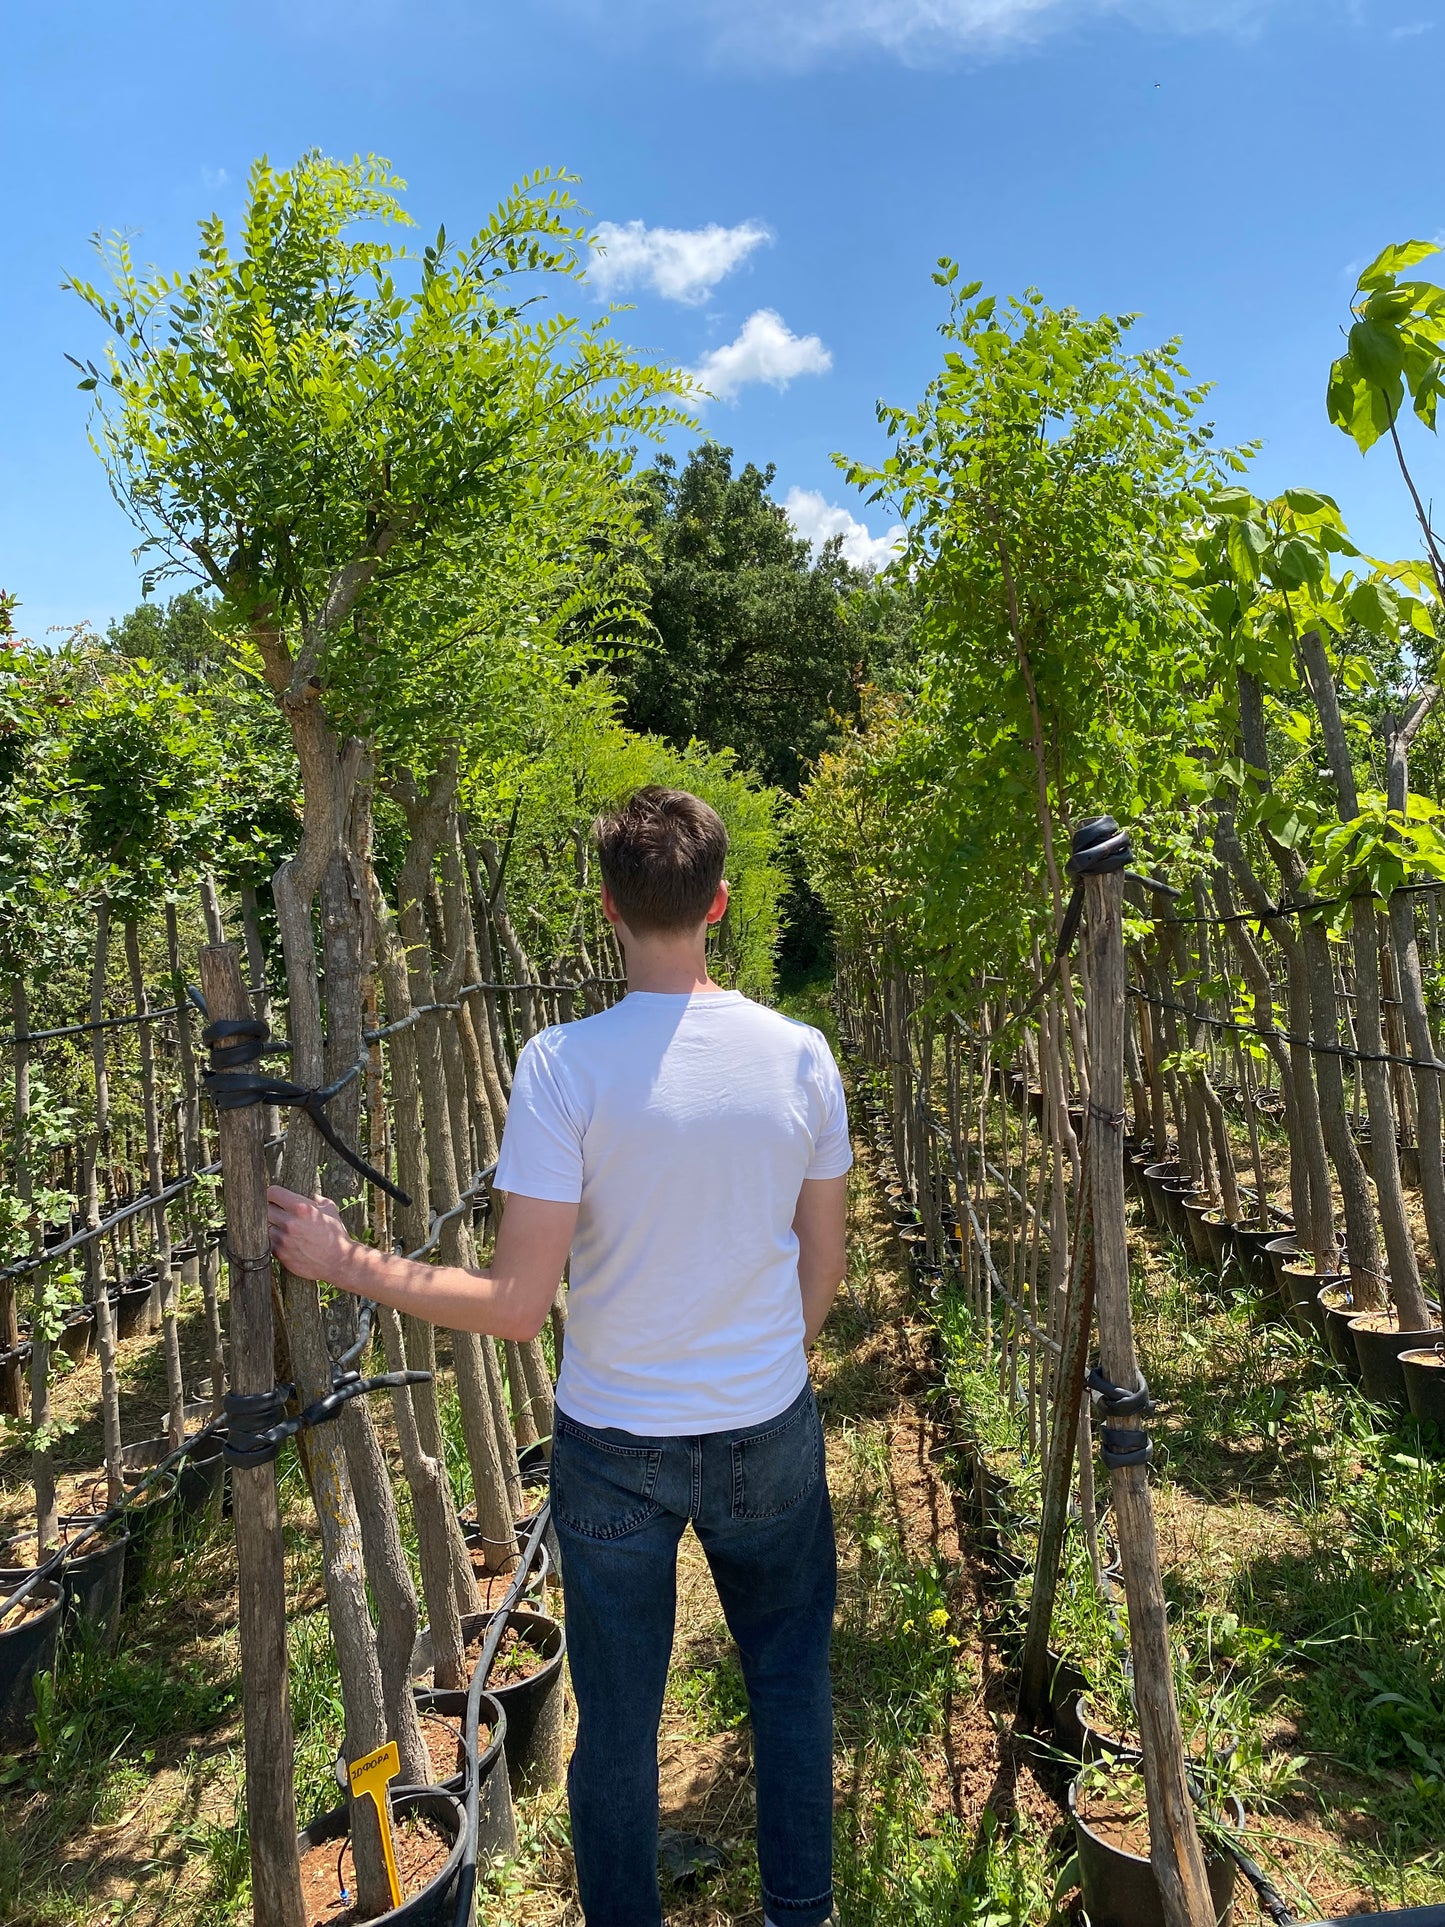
[370,1776]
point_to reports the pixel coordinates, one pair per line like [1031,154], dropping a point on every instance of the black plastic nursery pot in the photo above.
[435,1904]
[75,1336]
[537,1578]
[1195,1208]
[1337,1308]
[1223,1251]
[1067,1685]
[1119,1887]
[27,1647]
[149,1520]
[93,1583]
[1172,1193]
[1424,1373]
[1378,1348]
[132,1304]
[1302,1288]
[1249,1243]
[1096,1742]
[534,1740]
[496,1818]
[1139,1164]
[1279,1252]
[202,1476]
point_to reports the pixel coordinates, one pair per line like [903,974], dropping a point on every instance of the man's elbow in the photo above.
[519,1320]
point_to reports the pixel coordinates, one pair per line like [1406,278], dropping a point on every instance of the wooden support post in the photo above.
[1058,1476]
[260,1562]
[1175,1853]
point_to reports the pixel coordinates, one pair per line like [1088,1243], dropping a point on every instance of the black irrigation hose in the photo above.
[105,1520]
[467,1884]
[145,1202]
[1311,1044]
[1299,909]
[81,1030]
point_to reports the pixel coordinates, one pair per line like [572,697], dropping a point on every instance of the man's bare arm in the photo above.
[820,1223]
[510,1299]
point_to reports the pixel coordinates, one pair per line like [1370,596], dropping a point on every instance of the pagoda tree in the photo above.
[315,422]
[1045,482]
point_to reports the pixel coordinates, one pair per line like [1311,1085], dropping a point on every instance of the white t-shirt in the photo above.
[684,1126]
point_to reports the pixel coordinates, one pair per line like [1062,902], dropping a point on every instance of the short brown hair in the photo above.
[662,854]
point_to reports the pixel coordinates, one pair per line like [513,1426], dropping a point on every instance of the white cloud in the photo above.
[214,177]
[796,33]
[818,521]
[681,264]
[765,350]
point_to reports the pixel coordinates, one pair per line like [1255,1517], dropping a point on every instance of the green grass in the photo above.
[1310,1650]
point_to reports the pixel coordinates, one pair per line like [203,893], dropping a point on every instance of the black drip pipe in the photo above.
[467,1884]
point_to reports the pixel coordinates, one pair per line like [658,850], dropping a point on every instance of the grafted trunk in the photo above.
[205,1260]
[1302,1155]
[328,776]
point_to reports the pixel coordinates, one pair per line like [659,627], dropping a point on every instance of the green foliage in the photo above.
[39,855]
[1047,480]
[143,763]
[381,460]
[542,797]
[1396,345]
[181,637]
[756,647]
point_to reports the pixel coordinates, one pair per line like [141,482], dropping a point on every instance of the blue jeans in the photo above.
[758,1502]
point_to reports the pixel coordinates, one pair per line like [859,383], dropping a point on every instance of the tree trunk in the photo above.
[42,1459]
[97,1147]
[155,1178]
[1418,1029]
[447,1577]
[328,776]
[491,1452]
[386,1566]
[1400,1245]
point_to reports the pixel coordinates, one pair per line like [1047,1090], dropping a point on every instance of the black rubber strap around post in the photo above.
[231,1087]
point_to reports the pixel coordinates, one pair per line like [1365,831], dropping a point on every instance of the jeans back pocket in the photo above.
[775,1469]
[601,1490]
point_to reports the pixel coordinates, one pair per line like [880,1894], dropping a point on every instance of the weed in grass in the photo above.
[714,1695]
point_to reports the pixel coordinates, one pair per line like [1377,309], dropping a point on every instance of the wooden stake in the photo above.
[1058,1473]
[1175,1853]
[260,1562]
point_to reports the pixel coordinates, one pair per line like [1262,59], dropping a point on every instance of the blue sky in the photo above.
[1220,166]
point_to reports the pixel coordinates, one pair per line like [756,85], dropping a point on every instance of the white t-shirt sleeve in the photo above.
[833,1148]
[541,1155]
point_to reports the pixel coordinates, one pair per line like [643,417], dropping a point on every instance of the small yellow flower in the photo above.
[938,1619]
[953,1640]
[908,1625]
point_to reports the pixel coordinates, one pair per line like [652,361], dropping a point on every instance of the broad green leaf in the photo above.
[1403,254]
[1377,352]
